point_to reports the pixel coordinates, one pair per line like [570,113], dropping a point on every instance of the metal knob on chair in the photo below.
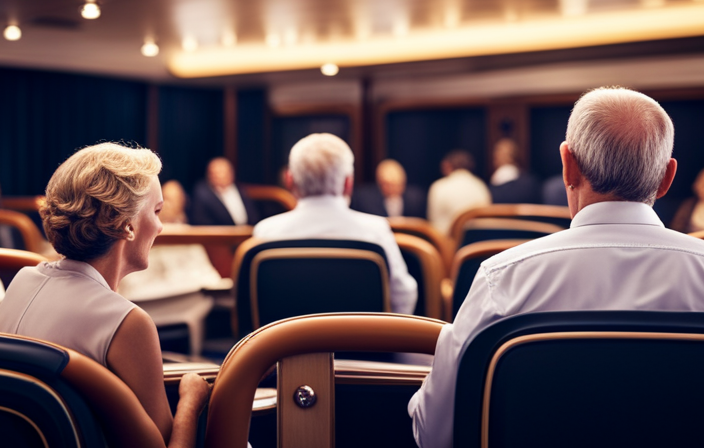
[304,396]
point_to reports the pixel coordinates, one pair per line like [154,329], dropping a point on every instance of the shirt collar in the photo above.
[81,267]
[325,200]
[618,212]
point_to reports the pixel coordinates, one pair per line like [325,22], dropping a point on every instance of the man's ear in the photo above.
[571,174]
[349,185]
[288,180]
[667,178]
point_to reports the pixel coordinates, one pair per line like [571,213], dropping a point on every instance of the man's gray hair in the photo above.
[622,141]
[319,165]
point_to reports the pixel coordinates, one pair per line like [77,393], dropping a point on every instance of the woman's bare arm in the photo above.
[135,356]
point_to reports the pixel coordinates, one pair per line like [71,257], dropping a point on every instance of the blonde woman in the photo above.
[102,214]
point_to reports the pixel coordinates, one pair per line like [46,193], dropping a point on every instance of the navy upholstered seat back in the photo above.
[292,286]
[584,379]
[36,404]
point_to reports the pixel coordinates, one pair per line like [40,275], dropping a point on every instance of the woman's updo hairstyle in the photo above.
[93,195]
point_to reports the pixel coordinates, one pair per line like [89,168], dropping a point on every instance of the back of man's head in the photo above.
[622,141]
[458,159]
[319,165]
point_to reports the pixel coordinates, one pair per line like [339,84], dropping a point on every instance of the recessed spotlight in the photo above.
[12,32]
[330,69]
[150,49]
[189,44]
[90,11]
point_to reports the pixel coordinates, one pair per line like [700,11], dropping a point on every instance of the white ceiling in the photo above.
[55,36]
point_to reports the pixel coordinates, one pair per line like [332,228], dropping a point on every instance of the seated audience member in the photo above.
[101,214]
[170,289]
[617,161]
[390,196]
[690,214]
[457,192]
[320,175]
[554,191]
[509,184]
[218,202]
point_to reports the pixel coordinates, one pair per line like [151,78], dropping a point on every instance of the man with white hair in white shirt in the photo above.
[321,175]
[616,255]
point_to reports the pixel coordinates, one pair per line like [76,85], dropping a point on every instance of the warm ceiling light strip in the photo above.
[535,35]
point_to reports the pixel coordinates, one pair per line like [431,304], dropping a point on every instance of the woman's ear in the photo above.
[129,231]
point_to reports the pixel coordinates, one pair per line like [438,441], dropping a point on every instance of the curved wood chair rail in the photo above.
[506,211]
[479,249]
[419,226]
[235,385]
[14,259]
[215,235]
[23,203]
[433,270]
[271,193]
[32,236]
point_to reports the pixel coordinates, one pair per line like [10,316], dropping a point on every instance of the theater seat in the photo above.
[12,260]
[279,279]
[52,396]
[32,238]
[425,265]
[583,379]
[301,347]
[464,269]
[421,228]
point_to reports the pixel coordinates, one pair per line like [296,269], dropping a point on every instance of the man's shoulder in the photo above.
[272,225]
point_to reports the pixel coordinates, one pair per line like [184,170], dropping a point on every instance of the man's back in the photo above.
[615,256]
[329,216]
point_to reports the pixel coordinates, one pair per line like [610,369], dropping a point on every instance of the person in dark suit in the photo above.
[509,184]
[218,202]
[390,196]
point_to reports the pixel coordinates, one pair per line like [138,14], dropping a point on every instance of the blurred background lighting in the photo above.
[150,49]
[12,32]
[189,43]
[329,69]
[90,11]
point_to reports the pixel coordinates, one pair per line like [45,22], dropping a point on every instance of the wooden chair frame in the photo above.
[506,211]
[31,235]
[271,193]
[419,226]
[235,385]
[433,271]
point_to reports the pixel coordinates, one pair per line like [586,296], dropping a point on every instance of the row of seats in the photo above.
[603,378]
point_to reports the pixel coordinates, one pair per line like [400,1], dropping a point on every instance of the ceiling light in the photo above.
[150,49]
[273,40]
[90,11]
[189,44]
[12,32]
[329,69]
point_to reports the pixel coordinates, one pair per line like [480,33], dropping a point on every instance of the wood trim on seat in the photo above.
[520,340]
[314,252]
[23,203]
[15,259]
[271,193]
[216,235]
[32,237]
[233,392]
[506,211]
[433,270]
[413,226]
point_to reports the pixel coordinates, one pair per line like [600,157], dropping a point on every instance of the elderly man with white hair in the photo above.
[616,255]
[320,175]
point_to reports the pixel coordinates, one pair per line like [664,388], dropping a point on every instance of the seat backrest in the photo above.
[269,199]
[425,265]
[279,279]
[583,379]
[484,229]
[12,260]
[465,267]
[31,235]
[52,396]
[551,214]
[301,346]
[421,228]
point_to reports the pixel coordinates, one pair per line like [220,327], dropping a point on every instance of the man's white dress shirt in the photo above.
[614,256]
[450,196]
[330,217]
[233,203]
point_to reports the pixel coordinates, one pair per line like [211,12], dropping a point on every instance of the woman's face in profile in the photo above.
[146,226]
